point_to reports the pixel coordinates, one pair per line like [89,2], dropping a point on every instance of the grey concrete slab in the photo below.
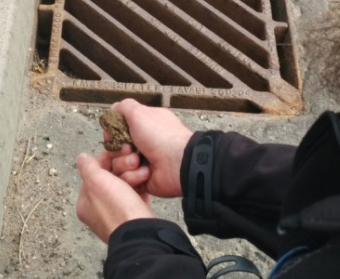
[16,19]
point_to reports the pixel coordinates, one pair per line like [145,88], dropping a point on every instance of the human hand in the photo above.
[105,201]
[161,137]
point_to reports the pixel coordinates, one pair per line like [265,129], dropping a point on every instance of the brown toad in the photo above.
[116,127]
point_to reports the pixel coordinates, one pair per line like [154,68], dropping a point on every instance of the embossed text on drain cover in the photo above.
[225,55]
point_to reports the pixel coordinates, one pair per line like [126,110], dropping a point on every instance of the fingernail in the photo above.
[144,172]
[82,157]
[131,159]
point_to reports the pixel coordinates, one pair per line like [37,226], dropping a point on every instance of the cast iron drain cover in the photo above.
[223,55]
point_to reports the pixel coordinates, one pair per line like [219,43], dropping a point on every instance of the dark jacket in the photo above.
[253,189]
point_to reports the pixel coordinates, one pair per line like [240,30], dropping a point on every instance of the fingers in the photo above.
[125,163]
[125,105]
[105,201]
[125,150]
[105,160]
[87,165]
[105,157]
[131,110]
[136,177]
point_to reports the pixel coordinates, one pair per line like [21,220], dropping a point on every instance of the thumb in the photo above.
[87,165]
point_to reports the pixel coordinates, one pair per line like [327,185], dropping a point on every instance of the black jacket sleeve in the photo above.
[249,181]
[152,249]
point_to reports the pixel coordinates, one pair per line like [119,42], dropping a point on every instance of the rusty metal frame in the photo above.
[236,69]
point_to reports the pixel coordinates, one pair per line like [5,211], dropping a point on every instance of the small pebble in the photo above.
[81,266]
[64,213]
[204,118]
[13,173]
[67,272]
[49,145]
[53,172]
[32,150]
[58,207]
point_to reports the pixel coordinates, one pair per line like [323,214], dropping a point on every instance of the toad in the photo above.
[117,129]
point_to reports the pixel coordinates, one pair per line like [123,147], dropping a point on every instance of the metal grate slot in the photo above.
[125,42]
[235,55]
[204,103]
[47,2]
[43,38]
[103,57]
[255,4]
[213,20]
[208,45]
[279,10]
[241,16]
[106,97]
[165,45]
[75,68]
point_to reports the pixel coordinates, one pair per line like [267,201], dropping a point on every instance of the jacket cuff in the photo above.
[152,230]
[199,189]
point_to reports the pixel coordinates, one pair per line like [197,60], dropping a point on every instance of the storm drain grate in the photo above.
[224,55]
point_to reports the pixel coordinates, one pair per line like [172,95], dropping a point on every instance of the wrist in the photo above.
[188,153]
[181,145]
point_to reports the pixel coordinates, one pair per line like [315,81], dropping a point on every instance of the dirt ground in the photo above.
[42,237]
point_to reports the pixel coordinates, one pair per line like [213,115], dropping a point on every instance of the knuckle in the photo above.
[132,107]
[115,166]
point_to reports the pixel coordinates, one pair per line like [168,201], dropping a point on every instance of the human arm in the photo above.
[140,246]
[248,184]
[249,179]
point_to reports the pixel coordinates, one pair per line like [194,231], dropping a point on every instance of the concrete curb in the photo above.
[16,20]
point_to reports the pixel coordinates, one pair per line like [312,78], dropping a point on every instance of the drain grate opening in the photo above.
[224,29]
[255,4]
[279,10]
[106,97]
[286,56]
[118,37]
[284,44]
[42,44]
[165,45]
[233,55]
[208,47]
[214,104]
[98,54]
[47,2]
[241,16]
[74,68]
